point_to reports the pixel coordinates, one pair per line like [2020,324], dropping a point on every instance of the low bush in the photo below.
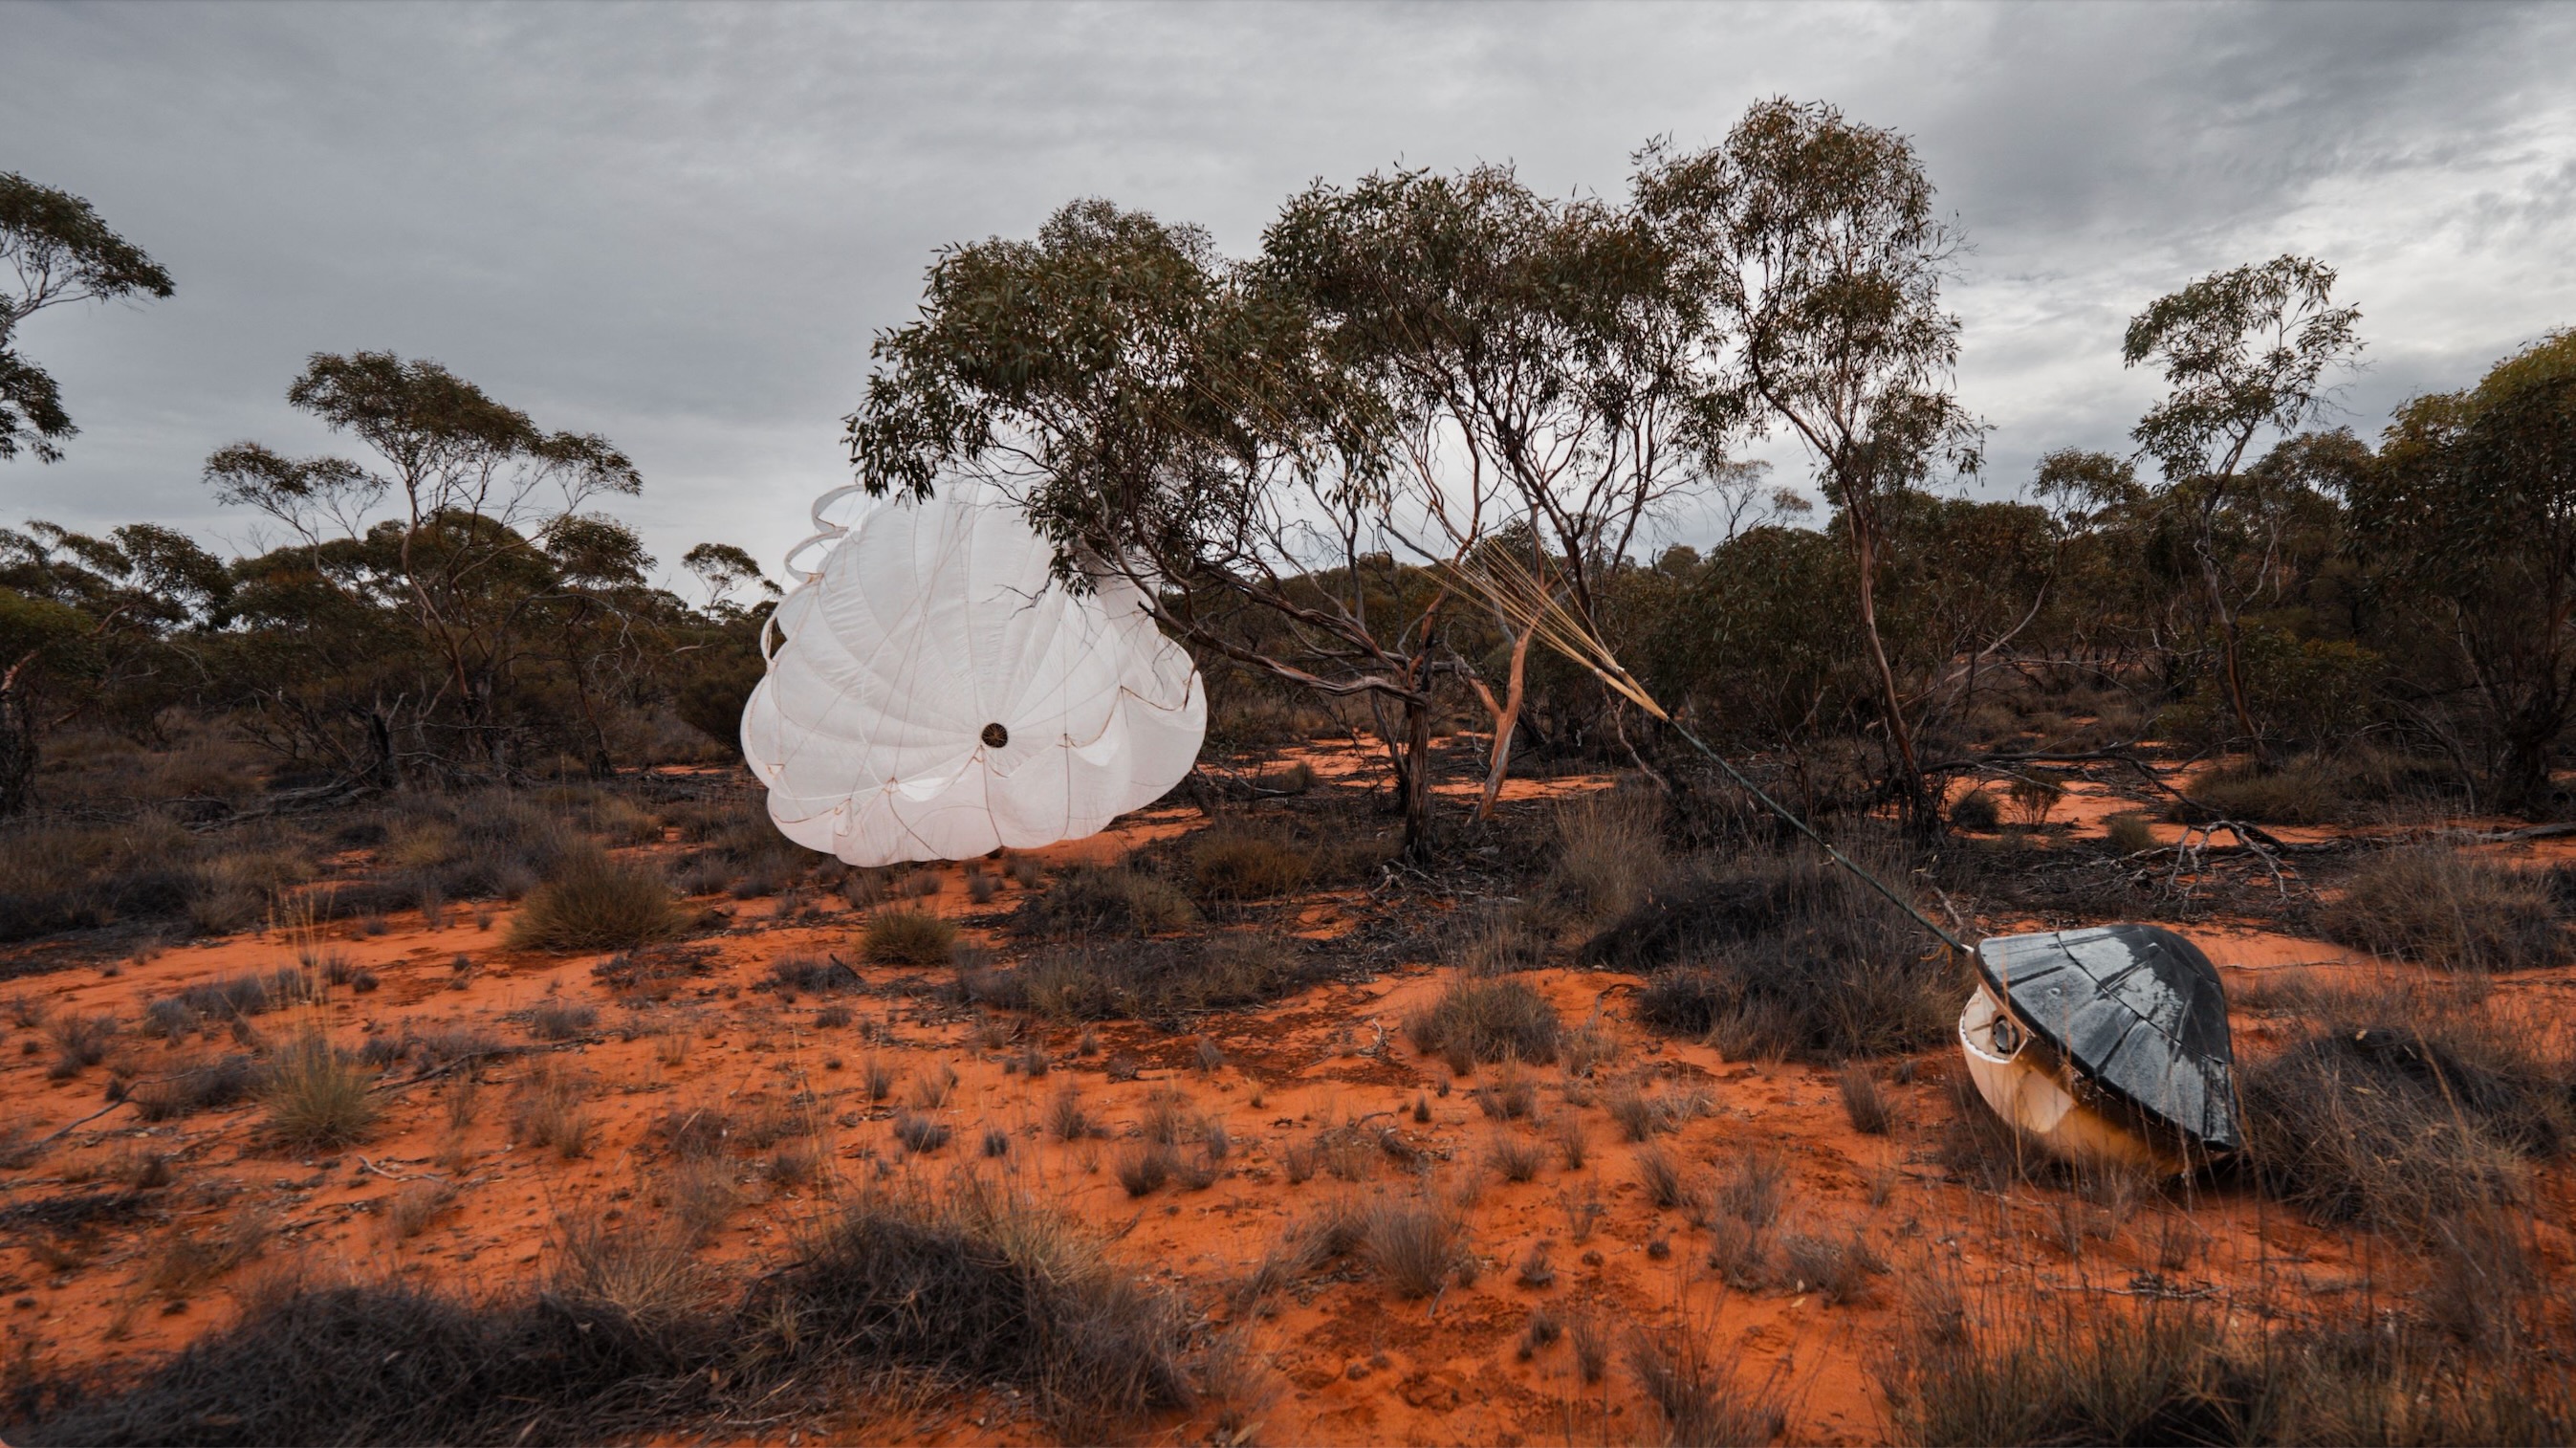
[907,937]
[1104,900]
[976,1289]
[561,1020]
[1486,1020]
[1240,862]
[80,1042]
[1165,981]
[200,1087]
[595,903]
[2447,908]
[2400,1110]
[2058,1369]
[1765,955]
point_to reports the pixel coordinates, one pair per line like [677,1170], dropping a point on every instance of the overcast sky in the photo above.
[680,225]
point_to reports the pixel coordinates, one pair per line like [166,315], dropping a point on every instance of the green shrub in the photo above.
[596,903]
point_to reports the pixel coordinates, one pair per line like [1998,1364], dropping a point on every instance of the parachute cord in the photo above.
[1839,858]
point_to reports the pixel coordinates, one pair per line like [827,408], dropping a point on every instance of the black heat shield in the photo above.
[2137,1009]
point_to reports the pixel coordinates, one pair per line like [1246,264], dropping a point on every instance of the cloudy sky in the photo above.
[680,225]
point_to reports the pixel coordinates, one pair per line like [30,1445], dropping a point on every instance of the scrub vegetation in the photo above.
[414,1027]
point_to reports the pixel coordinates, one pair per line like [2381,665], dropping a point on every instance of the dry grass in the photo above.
[1610,852]
[1477,1020]
[1699,1398]
[1165,981]
[561,1020]
[1769,956]
[908,937]
[1105,900]
[1246,862]
[549,1111]
[2401,1109]
[80,1042]
[316,1096]
[595,903]
[1662,1179]
[1516,1159]
[2447,908]
[1864,1104]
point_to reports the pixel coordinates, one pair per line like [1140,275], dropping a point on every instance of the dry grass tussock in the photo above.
[1089,900]
[970,1288]
[1780,956]
[908,937]
[2069,1368]
[595,903]
[316,1095]
[2448,908]
[1155,980]
[2403,1107]
[1483,1020]
[1610,852]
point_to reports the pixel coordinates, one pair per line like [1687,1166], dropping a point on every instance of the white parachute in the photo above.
[934,693]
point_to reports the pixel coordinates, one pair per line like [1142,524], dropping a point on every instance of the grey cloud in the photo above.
[680,225]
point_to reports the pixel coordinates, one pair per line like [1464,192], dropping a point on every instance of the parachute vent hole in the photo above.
[995,736]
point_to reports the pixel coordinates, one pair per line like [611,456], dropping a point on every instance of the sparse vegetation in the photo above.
[2448,908]
[1091,900]
[908,937]
[592,902]
[1165,981]
[1486,1020]
[316,1095]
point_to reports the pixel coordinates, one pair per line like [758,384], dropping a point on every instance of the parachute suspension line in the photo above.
[1540,608]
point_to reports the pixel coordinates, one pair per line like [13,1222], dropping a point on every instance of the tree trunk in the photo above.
[1912,803]
[1507,717]
[1417,780]
[18,748]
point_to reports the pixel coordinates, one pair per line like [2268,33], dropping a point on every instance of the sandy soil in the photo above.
[1346,1361]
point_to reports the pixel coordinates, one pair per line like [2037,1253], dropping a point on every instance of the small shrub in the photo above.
[316,1096]
[1144,1167]
[1105,900]
[80,1042]
[2128,833]
[1066,1120]
[832,1018]
[1837,1269]
[2446,908]
[878,1075]
[1591,1347]
[694,1133]
[561,1020]
[1661,1176]
[908,937]
[813,975]
[1487,1020]
[919,1134]
[1975,810]
[1755,1190]
[2402,1110]
[416,1205]
[1238,862]
[1164,981]
[997,1142]
[196,1088]
[595,903]
[1768,956]
[1610,852]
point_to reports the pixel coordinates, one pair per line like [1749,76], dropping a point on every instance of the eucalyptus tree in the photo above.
[1169,415]
[1811,245]
[488,556]
[1529,363]
[61,252]
[2472,508]
[2245,353]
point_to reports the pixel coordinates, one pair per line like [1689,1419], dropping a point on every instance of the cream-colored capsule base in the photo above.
[2032,1096]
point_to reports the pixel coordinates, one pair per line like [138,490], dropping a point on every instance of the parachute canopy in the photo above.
[934,693]
[2136,1010]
